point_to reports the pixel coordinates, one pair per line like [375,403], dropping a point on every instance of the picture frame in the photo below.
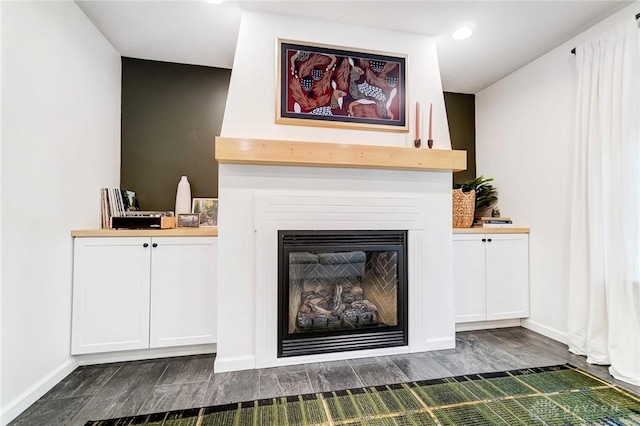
[207,208]
[332,86]
[188,220]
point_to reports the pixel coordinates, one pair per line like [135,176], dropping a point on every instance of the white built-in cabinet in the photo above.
[143,292]
[490,276]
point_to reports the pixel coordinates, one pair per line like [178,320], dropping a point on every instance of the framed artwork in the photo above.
[190,220]
[329,86]
[208,210]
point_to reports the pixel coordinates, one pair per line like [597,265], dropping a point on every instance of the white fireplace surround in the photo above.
[326,211]
[290,198]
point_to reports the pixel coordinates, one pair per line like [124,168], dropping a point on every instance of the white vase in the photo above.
[183,197]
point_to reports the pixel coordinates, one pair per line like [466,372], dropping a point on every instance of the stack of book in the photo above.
[494,222]
[115,202]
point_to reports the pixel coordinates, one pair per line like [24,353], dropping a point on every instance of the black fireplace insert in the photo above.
[341,291]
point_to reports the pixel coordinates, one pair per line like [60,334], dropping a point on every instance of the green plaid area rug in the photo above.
[559,395]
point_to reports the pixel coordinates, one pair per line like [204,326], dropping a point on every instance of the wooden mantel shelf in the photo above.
[319,154]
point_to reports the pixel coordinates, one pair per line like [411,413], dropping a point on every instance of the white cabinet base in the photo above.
[507,275]
[133,293]
[490,278]
[485,325]
[122,356]
[469,272]
[183,297]
[110,295]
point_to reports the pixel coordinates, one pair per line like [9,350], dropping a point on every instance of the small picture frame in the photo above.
[208,210]
[188,220]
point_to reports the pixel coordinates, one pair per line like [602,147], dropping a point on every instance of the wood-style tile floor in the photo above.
[139,387]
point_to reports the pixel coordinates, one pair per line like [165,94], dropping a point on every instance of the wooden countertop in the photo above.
[213,232]
[479,230]
[172,232]
[321,154]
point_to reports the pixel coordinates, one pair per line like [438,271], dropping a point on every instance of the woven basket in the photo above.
[464,205]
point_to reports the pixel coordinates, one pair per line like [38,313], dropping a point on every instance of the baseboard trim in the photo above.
[225,365]
[35,392]
[551,333]
[485,325]
[135,355]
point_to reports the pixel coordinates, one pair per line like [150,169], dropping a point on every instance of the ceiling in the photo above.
[507,34]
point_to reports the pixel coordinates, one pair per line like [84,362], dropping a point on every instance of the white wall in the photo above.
[525,134]
[60,144]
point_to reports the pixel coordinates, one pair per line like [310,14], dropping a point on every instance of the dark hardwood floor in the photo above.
[139,387]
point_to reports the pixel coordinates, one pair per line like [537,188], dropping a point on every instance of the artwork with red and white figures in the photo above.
[341,88]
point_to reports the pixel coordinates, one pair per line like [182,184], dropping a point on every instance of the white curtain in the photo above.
[604,288]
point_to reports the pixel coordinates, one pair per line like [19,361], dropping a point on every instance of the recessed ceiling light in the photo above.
[214,1]
[461,33]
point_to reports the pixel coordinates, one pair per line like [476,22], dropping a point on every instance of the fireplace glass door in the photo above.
[341,290]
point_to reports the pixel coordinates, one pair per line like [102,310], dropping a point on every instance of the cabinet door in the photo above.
[507,276]
[110,294]
[469,277]
[183,291]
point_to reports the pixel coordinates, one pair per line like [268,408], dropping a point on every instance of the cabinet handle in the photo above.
[145,245]
[488,240]
[154,245]
[484,240]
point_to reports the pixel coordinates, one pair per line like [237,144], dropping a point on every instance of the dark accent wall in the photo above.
[461,113]
[171,114]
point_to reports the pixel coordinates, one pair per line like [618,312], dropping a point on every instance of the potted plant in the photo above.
[486,194]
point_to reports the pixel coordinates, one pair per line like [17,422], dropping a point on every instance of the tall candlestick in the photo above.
[417,120]
[430,121]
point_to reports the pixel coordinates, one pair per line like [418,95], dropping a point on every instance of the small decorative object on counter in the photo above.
[463,208]
[188,220]
[115,202]
[183,196]
[495,212]
[494,222]
[144,220]
[208,210]
[486,194]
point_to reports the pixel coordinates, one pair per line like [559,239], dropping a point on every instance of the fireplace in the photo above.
[262,200]
[341,291]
